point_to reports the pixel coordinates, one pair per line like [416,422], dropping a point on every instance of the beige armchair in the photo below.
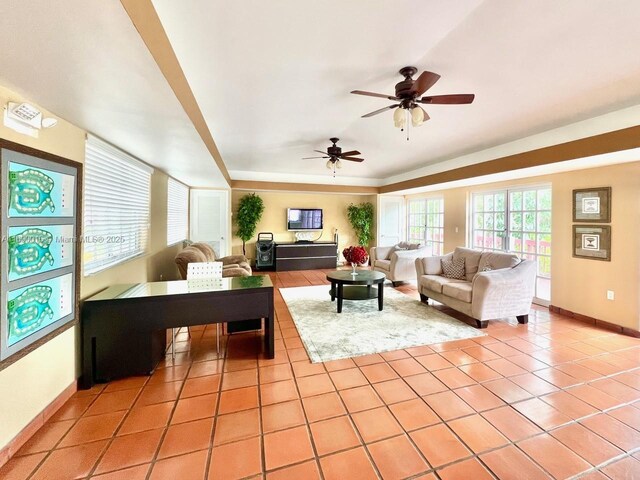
[232,265]
[398,262]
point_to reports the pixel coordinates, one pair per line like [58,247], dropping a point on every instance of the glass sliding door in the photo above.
[530,233]
[426,223]
[489,214]
[521,225]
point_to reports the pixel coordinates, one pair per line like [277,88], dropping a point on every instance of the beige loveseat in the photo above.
[495,285]
[397,262]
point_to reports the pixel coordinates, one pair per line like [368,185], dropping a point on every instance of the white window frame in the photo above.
[116,206]
[540,256]
[497,233]
[426,227]
[177,211]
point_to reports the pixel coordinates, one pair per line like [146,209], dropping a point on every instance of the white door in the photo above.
[210,219]
[390,220]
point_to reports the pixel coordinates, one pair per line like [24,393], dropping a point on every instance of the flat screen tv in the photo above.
[304,219]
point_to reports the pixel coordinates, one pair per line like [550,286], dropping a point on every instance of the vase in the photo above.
[353,266]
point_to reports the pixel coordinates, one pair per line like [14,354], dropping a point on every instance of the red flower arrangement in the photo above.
[356,255]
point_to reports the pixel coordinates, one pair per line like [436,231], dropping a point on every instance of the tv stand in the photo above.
[306,255]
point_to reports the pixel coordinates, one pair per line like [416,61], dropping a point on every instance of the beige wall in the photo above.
[32,382]
[334,210]
[38,378]
[577,284]
[65,139]
[580,285]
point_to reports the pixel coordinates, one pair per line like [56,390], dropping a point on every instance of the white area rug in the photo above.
[361,329]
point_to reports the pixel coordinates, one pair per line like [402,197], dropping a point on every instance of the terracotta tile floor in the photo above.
[552,399]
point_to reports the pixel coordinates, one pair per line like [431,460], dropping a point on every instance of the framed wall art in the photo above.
[592,241]
[592,205]
[39,258]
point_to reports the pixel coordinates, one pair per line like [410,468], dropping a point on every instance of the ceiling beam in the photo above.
[147,23]
[302,187]
[617,140]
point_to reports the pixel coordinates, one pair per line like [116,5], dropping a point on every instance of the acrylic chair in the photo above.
[201,275]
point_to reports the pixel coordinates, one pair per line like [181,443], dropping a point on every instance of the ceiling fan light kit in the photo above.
[417,116]
[409,94]
[399,118]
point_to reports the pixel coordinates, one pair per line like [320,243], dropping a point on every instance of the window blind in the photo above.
[117,190]
[177,211]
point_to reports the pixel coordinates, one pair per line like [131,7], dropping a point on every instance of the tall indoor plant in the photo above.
[361,218]
[249,213]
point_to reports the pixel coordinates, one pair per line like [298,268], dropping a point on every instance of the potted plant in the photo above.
[361,218]
[249,213]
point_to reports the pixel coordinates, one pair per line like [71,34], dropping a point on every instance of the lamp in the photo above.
[329,164]
[338,164]
[399,119]
[417,116]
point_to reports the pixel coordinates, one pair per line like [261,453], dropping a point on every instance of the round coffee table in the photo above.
[345,285]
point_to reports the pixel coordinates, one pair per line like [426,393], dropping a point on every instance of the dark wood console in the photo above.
[306,256]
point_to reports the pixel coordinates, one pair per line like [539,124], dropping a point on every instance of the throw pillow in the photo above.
[395,248]
[453,268]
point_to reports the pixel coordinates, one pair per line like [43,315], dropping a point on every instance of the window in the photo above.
[426,223]
[519,221]
[489,227]
[177,211]
[117,190]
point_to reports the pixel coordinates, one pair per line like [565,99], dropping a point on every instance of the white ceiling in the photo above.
[86,63]
[273,78]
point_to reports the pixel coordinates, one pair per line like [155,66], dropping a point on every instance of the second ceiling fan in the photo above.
[409,95]
[335,154]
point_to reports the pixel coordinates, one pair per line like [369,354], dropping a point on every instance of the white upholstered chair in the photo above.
[398,262]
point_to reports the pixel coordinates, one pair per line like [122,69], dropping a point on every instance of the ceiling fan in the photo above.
[409,95]
[335,155]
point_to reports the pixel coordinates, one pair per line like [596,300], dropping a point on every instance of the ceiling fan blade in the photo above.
[371,114]
[350,153]
[456,99]
[371,94]
[320,151]
[350,159]
[309,158]
[425,81]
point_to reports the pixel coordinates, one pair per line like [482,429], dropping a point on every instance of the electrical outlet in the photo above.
[610,295]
